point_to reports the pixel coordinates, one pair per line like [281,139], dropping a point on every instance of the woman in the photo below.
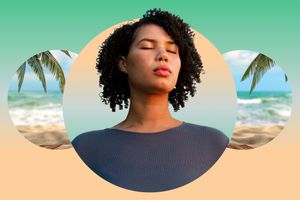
[150,62]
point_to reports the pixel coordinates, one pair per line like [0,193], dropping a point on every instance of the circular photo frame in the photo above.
[161,157]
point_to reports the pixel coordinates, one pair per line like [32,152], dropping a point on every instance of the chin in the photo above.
[158,87]
[162,90]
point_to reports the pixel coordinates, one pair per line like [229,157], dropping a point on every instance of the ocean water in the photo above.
[35,107]
[263,108]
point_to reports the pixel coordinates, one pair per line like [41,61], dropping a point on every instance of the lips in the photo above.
[162,71]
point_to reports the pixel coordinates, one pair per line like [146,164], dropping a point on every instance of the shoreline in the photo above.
[47,136]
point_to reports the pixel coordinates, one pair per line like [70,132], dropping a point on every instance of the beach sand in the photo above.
[47,136]
[246,137]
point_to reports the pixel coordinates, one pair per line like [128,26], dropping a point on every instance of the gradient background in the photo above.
[268,172]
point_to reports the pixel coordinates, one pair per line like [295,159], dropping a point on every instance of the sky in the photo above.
[31,82]
[239,60]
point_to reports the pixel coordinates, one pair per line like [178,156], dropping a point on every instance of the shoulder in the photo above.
[88,144]
[208,134]
[85,140]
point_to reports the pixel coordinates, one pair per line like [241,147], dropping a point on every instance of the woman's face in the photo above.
[153,61]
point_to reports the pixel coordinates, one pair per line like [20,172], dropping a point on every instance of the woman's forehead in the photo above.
[151,32]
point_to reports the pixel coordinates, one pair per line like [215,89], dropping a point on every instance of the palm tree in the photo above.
[37,62]
[258,67]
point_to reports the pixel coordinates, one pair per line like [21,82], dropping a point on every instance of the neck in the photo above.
[148,112]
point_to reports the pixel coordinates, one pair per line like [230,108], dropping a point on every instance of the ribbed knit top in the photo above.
[151,162]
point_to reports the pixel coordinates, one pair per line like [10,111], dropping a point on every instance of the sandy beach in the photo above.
[246,137]
[47,136]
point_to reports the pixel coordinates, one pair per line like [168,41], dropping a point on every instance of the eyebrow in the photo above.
[153,41]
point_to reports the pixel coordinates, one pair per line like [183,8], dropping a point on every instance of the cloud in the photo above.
[64,60]
[31,76]
[238,62]
[58,55]
[31,82]
[240,58]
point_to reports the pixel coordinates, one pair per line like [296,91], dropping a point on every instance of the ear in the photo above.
[122,64]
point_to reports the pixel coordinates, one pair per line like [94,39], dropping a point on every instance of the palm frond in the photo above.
[20,74]
[66,52]
[249,71]
[49,61]
[286,78]
[258,67]
[36,66]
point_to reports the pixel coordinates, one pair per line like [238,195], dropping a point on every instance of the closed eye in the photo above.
[174,52]
[146,48]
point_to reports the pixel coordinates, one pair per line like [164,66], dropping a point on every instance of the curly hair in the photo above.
[115,84]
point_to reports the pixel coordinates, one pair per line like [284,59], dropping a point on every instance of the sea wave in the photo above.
[249,101]
[284,113]
[37,116]
[32,108]
[264,108]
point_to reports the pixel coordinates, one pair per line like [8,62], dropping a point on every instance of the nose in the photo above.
[162,56]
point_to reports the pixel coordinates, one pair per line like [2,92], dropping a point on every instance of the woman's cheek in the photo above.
[177,66]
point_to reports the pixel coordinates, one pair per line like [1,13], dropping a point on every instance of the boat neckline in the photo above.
[149,133]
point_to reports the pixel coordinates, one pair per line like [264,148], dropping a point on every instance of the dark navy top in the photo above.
[151,162]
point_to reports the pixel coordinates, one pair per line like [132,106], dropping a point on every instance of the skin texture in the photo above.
[148,112]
